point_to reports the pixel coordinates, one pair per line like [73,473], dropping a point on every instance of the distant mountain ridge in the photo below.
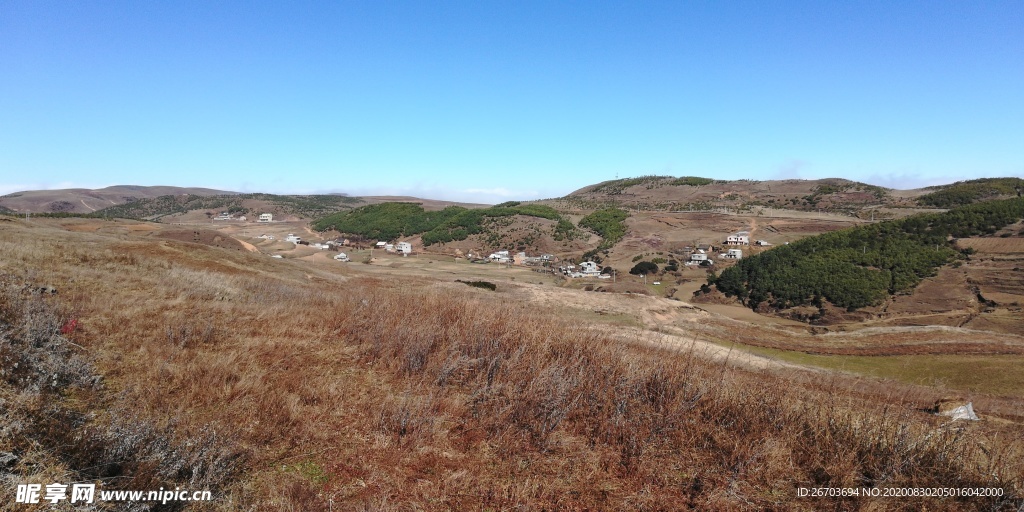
[83,200]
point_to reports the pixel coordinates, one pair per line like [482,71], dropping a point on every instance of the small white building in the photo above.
[699,256]
[733,254]
[590,269]
[763,243]
[223,216]
[500,257]
[266,217]
[341,257]
[403,248]
[381,245]
[292,238]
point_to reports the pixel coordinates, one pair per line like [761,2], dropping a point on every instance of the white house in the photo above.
[292,238]
[403,248]
[223,216]
[740,238]
[763,243]
[733,254]
[699,256]
[266,217]
[341,257]
[381,245]
[500,257]
[590,269]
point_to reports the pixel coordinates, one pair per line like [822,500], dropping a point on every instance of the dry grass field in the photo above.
[290,384]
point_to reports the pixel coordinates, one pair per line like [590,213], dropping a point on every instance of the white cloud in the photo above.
[502,192]
[791,170]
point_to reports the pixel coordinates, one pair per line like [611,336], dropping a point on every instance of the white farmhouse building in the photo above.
[266,217]
[740,238]
[590,269]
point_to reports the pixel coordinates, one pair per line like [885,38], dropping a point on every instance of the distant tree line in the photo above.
[861,266]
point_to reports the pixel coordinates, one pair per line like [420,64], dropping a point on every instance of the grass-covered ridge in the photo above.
[861,266]
[388,221]
[614,187]
[154,208]
[972,191]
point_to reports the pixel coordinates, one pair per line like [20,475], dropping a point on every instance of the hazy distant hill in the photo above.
[83,200]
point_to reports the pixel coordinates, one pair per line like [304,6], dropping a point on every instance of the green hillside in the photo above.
[154,208]
[388,221]
[861,266]
[973,191]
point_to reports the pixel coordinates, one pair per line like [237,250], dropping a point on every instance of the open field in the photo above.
[305,384]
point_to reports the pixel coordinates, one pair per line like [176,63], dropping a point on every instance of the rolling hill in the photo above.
[695,193]
[83,200]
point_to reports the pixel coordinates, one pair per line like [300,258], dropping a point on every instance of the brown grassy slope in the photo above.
[82,200]
[202,236]
[371,394]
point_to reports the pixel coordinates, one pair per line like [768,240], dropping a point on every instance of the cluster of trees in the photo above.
[644,268]
[973,191]
[861,266]
[614,187]
[610,224]
[691,181]
[388,221]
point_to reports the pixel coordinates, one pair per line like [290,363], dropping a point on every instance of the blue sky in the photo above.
[491,101]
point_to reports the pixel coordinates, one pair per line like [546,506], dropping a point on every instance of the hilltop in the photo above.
[829,194]
[696,193]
